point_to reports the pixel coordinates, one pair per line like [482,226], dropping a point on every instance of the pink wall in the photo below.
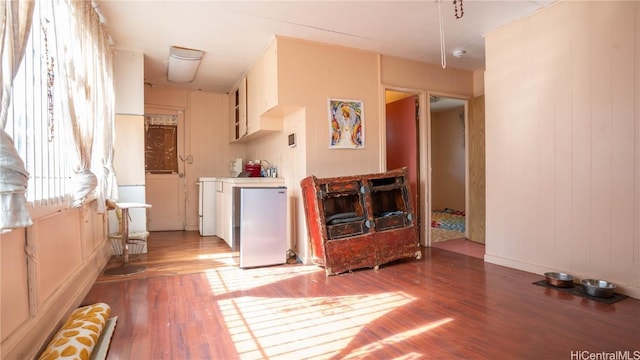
[447,160]
[402,140]
[563,142]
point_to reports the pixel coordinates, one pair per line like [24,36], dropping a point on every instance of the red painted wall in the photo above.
[402,140]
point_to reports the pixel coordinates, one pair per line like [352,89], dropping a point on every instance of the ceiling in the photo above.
[233,34]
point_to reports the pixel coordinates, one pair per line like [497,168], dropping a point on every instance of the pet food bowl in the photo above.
[598,288]
[559,279]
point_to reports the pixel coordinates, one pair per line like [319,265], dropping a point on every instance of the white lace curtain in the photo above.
[15,24]
[84,85]
[87,82]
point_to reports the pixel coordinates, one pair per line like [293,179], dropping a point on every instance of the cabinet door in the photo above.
[219,210]
[262,92]
[397,244]
[238,111]
[242,108]
[233,101]
[356,252]
[226,214]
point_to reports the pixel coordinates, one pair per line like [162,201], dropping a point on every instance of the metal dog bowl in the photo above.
[559,279]
[598,288]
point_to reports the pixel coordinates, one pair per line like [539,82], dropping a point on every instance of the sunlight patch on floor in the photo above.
[364,351]
[230,259]
[295,328]
[226,280]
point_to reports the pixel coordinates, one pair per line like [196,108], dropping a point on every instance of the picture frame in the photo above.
[346,124]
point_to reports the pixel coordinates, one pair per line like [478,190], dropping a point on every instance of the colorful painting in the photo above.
[346,124]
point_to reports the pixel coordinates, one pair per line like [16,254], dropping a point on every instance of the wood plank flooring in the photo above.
[461,246]
[194,303]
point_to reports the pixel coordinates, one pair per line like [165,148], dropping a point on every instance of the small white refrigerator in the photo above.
[261,231]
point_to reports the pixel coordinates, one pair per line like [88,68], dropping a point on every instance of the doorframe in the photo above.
[466,157]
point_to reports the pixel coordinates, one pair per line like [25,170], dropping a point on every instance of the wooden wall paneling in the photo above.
[560,102]
[636,271]
[14,290]
[578,159]
[623,125]
[580,139]
[601,156]
[58,251]
[498,166]
[476,178]
[542,146]
[524,153]
[546,160]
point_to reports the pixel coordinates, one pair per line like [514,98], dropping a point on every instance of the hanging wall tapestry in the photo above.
[346,124]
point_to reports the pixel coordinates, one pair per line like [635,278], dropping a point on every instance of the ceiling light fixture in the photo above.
[183,64]
[459,53]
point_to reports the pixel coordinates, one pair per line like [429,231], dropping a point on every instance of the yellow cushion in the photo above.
[79,334]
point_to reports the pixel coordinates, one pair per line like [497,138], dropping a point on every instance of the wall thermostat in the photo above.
[292,140]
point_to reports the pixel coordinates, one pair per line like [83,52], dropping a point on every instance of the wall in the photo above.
[562,91]
[47,270]
[308,76]
[409,74]
[448,160]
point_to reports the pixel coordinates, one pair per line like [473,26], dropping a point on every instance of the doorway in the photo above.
[164,169]
[472,140]
[448,168]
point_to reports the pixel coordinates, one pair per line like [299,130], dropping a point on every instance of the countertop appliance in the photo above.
[260,225]
[236,167]
[207,188]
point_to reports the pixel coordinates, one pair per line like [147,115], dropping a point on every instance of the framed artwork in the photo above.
[346,124]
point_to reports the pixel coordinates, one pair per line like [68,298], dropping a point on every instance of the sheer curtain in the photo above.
[15,24]
[87,80]
[105,112]
[82,96]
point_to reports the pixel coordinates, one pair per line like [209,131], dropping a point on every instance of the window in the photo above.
[61,112]
[33,118]
[161,144]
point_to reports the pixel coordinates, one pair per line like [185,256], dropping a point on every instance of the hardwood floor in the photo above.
[461,246]
[194,303]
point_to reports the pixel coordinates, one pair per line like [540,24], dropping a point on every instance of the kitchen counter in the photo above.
[247,180]
[253,180]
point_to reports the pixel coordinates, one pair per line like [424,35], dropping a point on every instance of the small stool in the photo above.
[123,218]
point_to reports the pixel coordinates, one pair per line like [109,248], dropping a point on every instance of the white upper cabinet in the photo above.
[129,82]
[262,95]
